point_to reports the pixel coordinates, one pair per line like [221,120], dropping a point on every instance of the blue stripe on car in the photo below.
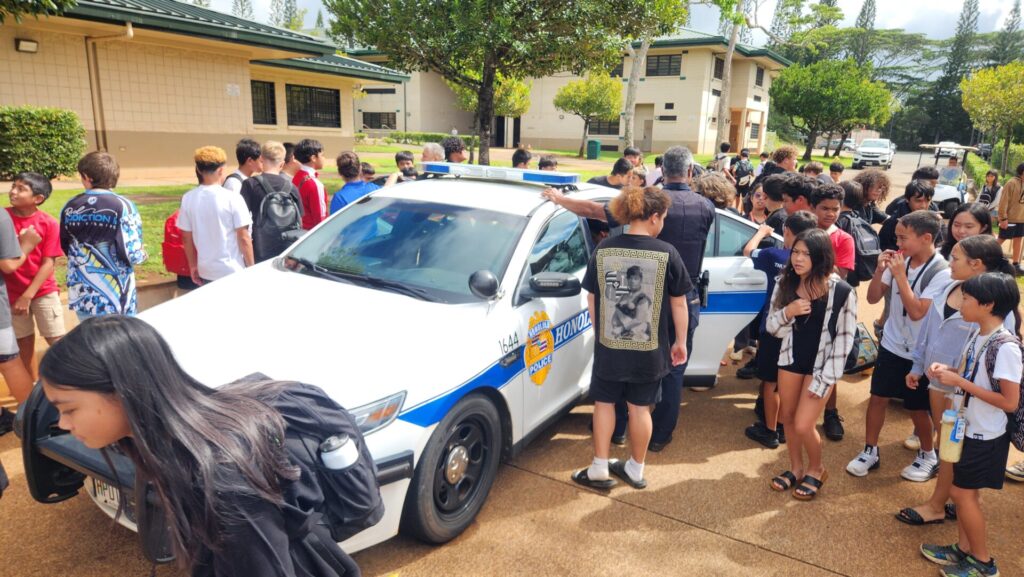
[496,376]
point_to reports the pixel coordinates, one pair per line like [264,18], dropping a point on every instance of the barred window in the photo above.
[664,65]
[757,99]
[312,106]
[264,103]
[755,130]
[608,127]
[382,120]
[719,68]
[759,79]
[379,90]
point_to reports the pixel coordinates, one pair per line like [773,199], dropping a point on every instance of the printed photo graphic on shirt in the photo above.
[539,347]
[634,287]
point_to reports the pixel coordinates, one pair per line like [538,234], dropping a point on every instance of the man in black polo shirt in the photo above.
[619,176]
[687,226]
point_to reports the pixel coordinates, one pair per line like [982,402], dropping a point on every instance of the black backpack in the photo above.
[744,173]
[277,222]
[865,242]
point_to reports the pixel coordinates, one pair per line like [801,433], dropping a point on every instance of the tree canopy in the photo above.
[470,42]
[829,96]
[597,96]
[18,8]
[992,98]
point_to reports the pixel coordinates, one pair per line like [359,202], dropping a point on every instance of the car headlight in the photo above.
[378,414]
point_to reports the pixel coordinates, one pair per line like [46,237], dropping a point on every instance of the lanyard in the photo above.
[918,277]
[974,358]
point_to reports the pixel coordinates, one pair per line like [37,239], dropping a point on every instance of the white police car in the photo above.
[446,313]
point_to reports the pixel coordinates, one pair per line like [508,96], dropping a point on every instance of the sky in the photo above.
[936,18]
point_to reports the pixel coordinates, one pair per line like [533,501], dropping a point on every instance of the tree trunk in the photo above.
[724,113]
[828,141]
[1006,151]
[586,129]
[842,144]
[639,57]
[811,137]
[485,109]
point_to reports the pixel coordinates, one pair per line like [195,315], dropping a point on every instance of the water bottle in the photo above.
[951,443]
[338,452]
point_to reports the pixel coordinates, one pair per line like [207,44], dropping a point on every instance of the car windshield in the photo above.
[424,249]
[874,144]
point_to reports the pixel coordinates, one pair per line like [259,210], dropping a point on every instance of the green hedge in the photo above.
[1016,156]
[976,168]
[45,140]
[424,137]
[360,137]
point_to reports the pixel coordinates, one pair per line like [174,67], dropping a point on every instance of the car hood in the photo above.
[358,344]
[874,149]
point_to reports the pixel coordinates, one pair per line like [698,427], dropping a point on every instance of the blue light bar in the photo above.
[500,173]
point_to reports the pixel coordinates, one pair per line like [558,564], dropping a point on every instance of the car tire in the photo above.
[855,166]
[466,444]
[949,207]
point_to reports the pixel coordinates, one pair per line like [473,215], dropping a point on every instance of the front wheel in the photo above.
[455,472]
[949,207]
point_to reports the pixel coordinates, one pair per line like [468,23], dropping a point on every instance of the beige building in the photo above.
[152,80]
[677,101]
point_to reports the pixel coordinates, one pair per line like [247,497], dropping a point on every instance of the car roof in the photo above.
[508,197]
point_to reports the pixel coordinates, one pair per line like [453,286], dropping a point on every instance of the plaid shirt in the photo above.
[830,362]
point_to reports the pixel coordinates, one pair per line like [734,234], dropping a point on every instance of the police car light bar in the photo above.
[499,173]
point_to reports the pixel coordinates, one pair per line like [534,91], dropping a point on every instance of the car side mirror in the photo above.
[551,284]
[483,284]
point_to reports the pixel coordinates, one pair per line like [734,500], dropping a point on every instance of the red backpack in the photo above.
[173,248]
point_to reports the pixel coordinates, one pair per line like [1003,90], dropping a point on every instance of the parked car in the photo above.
[874,152]
[446,313]
[946,148]
[848,144]
[985,151]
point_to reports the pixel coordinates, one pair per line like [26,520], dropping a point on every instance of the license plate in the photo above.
[106,494]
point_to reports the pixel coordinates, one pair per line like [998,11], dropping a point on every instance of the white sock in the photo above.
[598,470]
[634,470]
[871,450]
[930,455]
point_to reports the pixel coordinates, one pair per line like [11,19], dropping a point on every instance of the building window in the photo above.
[664,65]
[312,106]
[617,71]
[379,90]
[667,118]
[607,127]
[670,106]
[759,79]
[380,120]
[716,92]
[755,130]
[264,103]
[757,99]
[719,68]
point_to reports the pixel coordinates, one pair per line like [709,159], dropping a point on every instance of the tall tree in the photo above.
[598,96]
[277,14]
[653,18]
[470,42]
[1009,45]
[319,19]
[828,14]
[860,45]
[992,97]
[949,121]
[289,13]
[18,8]
[242,9]
[829,96]
[511,99]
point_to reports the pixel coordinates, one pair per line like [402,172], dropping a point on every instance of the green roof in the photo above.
[182,18]
[687,37]
[340,66]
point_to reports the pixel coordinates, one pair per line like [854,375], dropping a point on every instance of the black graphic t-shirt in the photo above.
[632,278]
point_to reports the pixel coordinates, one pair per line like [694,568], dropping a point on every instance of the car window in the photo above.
[733,236]
[426,245]
[561,247]
[709,248]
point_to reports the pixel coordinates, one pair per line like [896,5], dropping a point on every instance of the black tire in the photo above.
[437,510]
[855,166]
[949,207]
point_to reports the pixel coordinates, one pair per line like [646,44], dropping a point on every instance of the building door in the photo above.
[736,130]
[643,126]
[498,139]
[516,133]
[647,137]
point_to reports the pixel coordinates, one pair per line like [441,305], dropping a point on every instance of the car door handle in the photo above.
[747,281]
[511,358]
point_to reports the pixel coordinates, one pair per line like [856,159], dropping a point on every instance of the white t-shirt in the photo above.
[984,421]
[213,214]
[234,181]
[900,333]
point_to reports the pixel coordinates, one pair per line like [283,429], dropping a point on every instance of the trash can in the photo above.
[593,149]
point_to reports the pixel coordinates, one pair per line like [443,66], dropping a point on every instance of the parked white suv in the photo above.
[874,152]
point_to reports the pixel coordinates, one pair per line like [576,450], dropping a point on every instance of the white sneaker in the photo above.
[1016,471]
[913,442]
[924,467]
[864,462]
[736,355]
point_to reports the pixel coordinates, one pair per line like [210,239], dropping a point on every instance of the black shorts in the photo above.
[603,391]
[890,380]
[982,464]
[1015,230]
[768,348]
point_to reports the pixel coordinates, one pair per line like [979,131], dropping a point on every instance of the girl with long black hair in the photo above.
[969,219]
[215,457]
[808,295]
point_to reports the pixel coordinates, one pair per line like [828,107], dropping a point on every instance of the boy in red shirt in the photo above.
[32,289]
[310,154]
